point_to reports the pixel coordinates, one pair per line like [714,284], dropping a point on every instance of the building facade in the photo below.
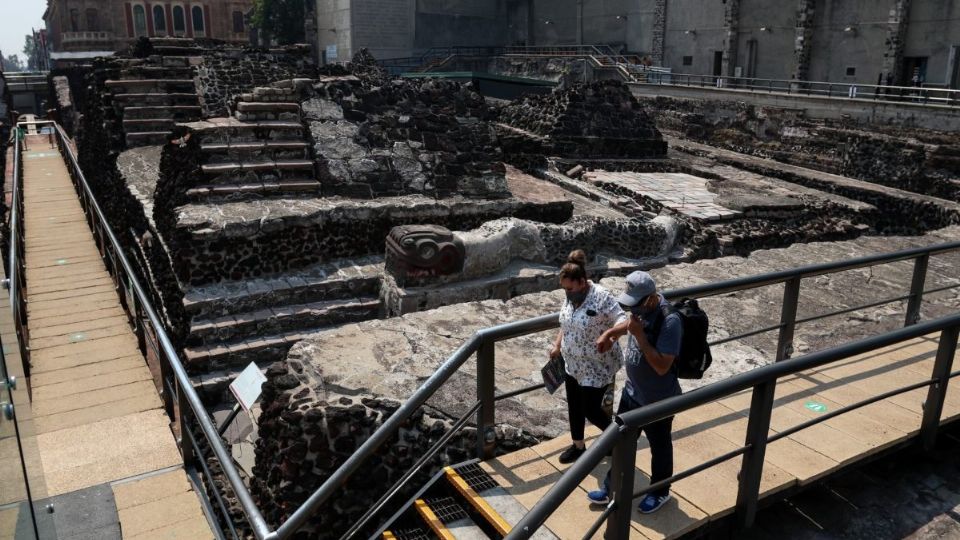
[109,25]
[852,41]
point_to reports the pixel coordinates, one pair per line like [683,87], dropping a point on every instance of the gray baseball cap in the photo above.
[639,286]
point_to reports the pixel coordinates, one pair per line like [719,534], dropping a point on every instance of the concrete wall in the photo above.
[933,28]
[861,110]
[334,28]
[834,49]
[766,39]
[440,23]
[386,27]
[705,21]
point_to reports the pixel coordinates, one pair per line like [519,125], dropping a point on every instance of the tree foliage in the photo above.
[280,20]
[29,51]
[13,64]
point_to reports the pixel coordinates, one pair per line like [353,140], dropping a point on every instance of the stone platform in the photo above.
[392,357]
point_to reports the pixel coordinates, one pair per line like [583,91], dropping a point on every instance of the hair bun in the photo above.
[578,257]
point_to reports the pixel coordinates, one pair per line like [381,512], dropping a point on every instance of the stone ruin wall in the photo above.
[921,161]
[226,72]
[306,434]
[376,138]
[596,120]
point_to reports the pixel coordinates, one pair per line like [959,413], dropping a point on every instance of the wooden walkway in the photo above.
[96,412]
[717,428]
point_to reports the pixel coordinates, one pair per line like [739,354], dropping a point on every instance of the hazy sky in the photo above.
[16,19]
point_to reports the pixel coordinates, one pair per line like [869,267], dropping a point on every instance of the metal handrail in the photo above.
[921,95]
[190,403]
[762,381]
[481,343]
[17,279]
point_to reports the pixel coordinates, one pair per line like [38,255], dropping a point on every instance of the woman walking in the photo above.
[587,312]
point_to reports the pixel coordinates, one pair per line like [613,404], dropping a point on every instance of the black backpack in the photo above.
[694,357]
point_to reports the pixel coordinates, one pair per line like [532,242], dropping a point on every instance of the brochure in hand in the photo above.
[554,373]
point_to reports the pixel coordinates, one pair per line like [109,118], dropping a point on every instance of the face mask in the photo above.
[577,297]
[641,309]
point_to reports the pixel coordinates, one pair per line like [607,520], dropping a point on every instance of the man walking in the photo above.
[655,333]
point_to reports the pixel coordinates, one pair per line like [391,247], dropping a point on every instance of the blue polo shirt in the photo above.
[644,384]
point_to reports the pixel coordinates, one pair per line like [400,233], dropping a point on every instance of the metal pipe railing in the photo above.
[911,94]
[765,376]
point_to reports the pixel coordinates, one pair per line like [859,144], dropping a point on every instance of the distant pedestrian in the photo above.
[588,310]
[22,136]
[656,333]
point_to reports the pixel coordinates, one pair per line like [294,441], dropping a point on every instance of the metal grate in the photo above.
[415,533]
[447,509]
[476,477]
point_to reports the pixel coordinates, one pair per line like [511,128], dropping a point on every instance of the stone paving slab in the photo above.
[96,412]
[681,192]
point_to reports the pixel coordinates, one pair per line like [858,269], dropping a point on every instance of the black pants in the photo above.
[660,436]
[585,403]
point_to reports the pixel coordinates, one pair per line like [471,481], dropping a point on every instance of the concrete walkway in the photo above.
[711,430]
[97,416]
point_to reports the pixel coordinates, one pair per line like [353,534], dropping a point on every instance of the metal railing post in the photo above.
[183,415]
[621,484]
[920,265]
[933,406]
[486,392]
[788,315]
[751,471]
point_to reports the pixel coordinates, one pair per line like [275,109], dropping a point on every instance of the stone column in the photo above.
[310,34]
[731,24]
[804,40]
[659,31]
[896,35]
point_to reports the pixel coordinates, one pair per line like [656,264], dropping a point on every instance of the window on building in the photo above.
[93,21]
[179,21]
[139,21]
[74,20]
[159,21]
[197,15]
[851,71]
[237,21]
[688,60]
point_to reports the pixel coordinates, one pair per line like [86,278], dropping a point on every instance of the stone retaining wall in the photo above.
[306,433]
[228,71]
[600,119]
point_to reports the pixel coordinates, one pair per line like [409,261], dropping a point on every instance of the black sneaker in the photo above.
[571,454]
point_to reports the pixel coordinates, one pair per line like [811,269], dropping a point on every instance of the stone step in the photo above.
[263,350]
[156,72]
[148,124]
[173,112]
[245,106]
[146,138]
[155,86]
[233,131]
[235,172]
[276,150]
[146,99]
[340,279]
[252,190]
[281,319]
[167,50]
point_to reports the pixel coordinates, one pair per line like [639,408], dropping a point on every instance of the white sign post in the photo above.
[246,387]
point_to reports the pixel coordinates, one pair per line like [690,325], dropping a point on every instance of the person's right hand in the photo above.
[604,343]
[554,352]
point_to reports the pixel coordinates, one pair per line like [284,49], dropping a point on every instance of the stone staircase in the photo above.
[260,151]
[233,323]
[153,94]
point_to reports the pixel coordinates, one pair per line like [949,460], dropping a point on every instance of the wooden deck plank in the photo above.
[95,405]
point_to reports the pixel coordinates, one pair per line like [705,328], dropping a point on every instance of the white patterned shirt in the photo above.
[581,327]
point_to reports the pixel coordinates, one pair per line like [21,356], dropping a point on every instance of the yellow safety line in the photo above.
[478,502]
[387,535]
[432,520]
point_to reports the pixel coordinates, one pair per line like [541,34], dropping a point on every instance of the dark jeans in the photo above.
[660,436]
[585,403]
